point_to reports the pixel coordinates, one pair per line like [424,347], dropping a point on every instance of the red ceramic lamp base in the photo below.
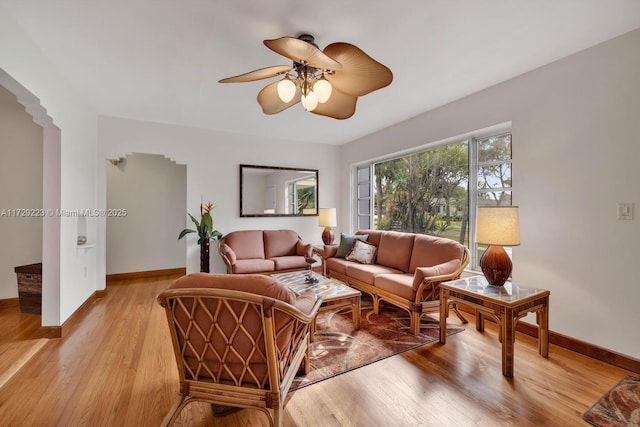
[327,236]
[496,265]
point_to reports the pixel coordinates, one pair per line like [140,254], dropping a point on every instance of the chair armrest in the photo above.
[228,255]
[426,279]
[330,251]
[304,249]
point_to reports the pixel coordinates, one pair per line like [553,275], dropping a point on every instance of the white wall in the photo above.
[576,147]
[70,141]
[146,196]
[213,174]
[21,179]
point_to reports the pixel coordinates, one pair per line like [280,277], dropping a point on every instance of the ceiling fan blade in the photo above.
[303,52]
[262,73]
[270,101]
[339,106]
[360,74]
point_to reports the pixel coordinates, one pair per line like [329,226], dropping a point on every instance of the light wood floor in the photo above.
[116,368]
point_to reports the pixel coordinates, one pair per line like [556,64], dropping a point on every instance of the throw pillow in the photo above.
[362,252]
[346,243]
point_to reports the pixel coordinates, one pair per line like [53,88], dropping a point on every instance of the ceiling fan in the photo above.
[327,82]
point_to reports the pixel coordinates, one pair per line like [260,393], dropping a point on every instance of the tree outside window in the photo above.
[428,192]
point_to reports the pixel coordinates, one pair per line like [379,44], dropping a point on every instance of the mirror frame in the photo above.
[275,168]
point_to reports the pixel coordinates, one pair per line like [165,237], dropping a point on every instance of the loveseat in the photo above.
[264,251]
[403,269]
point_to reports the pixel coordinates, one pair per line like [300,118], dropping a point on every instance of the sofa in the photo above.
[403,269]
[264,251]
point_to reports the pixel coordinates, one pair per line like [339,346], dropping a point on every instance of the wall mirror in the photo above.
[278,191]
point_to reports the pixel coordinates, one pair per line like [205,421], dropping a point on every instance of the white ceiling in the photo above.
[160,60]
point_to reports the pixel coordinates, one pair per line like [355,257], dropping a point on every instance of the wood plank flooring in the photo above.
[116,368]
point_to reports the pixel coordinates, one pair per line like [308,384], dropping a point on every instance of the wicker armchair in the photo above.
[237,348]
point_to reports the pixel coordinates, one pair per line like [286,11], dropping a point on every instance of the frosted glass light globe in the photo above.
[286,90]
[322,89]
[310,101]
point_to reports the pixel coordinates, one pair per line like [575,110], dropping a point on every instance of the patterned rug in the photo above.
[619,407]
[338,348]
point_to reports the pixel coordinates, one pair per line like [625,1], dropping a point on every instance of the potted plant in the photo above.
[205,231]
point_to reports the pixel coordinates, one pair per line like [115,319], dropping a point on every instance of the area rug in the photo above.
[338,348]
[619,407]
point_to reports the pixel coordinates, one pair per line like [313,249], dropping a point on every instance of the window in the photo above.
[302,195]
[434,191]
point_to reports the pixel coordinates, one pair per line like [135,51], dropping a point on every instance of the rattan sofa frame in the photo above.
[427,298]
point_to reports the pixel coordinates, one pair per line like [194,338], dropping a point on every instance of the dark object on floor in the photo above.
[30,288]
[221,411]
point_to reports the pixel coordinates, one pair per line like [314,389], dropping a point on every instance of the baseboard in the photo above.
[76,317]
[573,344]
[60,331]
[9,302]
[145,274]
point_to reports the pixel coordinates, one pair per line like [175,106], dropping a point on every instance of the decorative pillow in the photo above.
[362,252]
[346,243]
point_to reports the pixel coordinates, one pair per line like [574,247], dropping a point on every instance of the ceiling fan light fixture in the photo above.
[322,89]
[309,101]
[327,82]
[286,89]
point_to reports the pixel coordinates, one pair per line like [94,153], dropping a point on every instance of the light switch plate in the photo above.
[625,211]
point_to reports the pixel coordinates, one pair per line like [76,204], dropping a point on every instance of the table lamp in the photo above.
[327,219]
[497,226]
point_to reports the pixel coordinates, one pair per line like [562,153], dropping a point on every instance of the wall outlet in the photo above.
[625,211]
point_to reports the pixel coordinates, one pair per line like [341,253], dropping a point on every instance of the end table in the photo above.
[505,304]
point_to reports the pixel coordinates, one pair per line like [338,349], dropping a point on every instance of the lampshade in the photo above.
[327,217]
[498,225]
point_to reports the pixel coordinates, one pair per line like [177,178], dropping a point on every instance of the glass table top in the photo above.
[325,288]
[478,285]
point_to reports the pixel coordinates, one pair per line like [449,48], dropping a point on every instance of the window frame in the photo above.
[473,191]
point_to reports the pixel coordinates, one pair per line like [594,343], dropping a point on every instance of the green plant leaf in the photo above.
[185,232]
[206,225]
[195,221]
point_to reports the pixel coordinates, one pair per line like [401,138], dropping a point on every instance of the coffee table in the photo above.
[334,293]
[505,304]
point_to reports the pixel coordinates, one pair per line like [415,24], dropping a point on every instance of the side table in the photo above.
[505,304]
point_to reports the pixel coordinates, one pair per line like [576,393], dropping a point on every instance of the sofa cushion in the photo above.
[346,243]
[289,262]
[373,235]
[247,244]
[252,283]
[429,251]
[448,267]
[395,250]
[397,284]
[339,265]
[280,243]
[247,266]
[362,252]
[367,272]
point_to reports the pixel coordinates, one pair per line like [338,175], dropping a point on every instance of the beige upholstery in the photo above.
[264,251]
[406,272]
[238,340]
